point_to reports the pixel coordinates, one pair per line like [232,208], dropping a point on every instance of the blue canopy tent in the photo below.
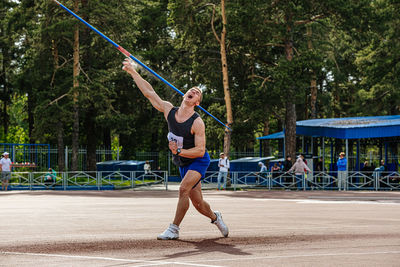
[351,128]
[278,135]
[383,128]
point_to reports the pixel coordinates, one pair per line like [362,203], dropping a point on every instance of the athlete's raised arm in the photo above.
[147,89]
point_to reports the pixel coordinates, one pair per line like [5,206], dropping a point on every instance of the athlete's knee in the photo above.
[184,191]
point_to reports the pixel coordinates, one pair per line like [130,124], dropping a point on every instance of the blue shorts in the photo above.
[199,164]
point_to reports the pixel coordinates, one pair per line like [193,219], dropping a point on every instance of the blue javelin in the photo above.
[126,53]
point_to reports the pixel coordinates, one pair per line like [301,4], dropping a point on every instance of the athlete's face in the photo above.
[193,96]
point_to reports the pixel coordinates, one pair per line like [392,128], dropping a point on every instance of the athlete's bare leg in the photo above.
[200,204]
[185,189]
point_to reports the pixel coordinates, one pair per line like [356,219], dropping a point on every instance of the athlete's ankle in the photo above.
[215,218]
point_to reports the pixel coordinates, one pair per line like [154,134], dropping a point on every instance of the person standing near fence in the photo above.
[262,173]
[299,168]
[147,167]
[342,171]
[187,142]
[5,166]
[287,164]
[223,164]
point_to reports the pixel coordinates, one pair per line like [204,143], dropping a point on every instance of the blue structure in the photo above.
[213,167]
[278,135]
[351,128]
[130,165]
[120,165]
[248,164]
[108,166]
[382,131]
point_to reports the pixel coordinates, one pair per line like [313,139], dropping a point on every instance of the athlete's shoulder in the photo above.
[198,126]
[167,107]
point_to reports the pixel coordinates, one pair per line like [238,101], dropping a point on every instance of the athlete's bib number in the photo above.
[175,138]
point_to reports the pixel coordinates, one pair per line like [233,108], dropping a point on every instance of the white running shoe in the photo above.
[220,224]
[171,233]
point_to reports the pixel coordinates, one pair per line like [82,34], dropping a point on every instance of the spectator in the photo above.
[263,171]
[342,171]
[147,167]
[319,166]
[223,164]
[382,167]
[367,171]
[275,170]
[5,165]
[299,169]
[303,158]
[378,172]
[287,164]
[50,177]
[305,162]
[280,166]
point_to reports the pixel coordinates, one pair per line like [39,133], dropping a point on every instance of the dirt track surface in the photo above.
[267,228]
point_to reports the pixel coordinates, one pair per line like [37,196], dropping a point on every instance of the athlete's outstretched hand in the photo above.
[129,66]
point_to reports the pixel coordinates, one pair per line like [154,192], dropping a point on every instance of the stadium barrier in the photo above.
[356,180]
[109,180]
[86,180]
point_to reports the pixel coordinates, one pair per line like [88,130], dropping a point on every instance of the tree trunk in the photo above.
[75,128]
[290,114]
[60,146]
[313,83]
[290,130]
[224,61]
[225,79]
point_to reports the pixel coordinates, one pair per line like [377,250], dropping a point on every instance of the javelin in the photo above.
[126,53]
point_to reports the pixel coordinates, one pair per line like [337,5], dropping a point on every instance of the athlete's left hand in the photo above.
[173,146]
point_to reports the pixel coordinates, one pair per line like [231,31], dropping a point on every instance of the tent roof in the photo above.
[347,128]
[351,128]
[278,135]
[252,159]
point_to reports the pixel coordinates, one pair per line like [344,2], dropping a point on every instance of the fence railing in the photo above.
[135,179]
[354,180]
[86,180]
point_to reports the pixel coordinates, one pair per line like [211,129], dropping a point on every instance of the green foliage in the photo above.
[354,56]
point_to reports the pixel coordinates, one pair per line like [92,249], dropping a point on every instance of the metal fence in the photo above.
[44,157]
[354,180]
[87,180]
[160,180]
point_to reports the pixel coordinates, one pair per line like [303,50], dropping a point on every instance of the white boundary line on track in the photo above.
[147,263]
[302,255]
[315,201]
[194,263]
